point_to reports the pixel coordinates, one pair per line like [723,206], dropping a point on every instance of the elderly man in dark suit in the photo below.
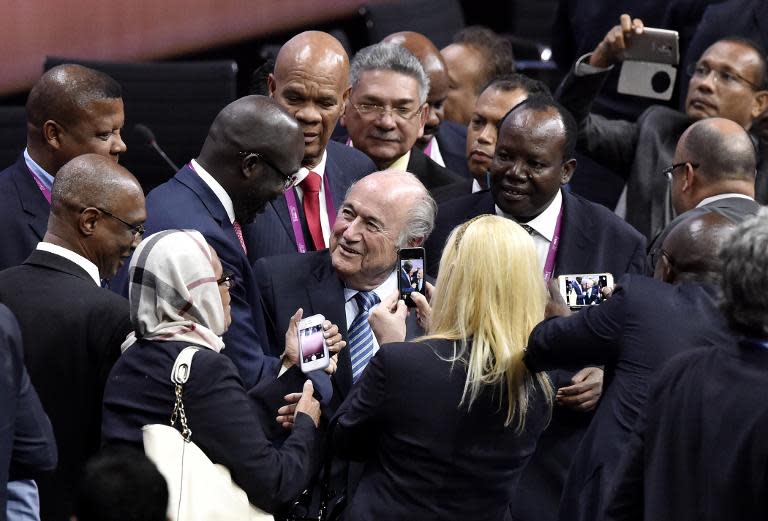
[310,80]
[713,171]
[386,113]
[533,159]
[71,110]
[730,82]
[250,157]
[381,213]
[698,450]
[442,141]
[72,328]
[629,335]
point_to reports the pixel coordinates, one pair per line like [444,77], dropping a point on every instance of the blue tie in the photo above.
[360,334]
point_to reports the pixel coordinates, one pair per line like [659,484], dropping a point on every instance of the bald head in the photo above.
[253,147]
[97,211]
[434,65]
[691,249]
[310,81]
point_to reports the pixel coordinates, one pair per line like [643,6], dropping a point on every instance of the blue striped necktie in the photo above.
[360,334]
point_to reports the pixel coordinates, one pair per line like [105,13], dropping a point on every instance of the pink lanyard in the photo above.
[293,212]
[549,265]
[41,186]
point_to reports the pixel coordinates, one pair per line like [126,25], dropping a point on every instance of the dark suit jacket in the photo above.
[72,331]
[185,201]
[441,182]
[425,456]
[452,140]
[271,233]
[592,240]
[637,150]
[23,212]
[737,209]
[699,450]
[224,420]
[630,336]
[27,445]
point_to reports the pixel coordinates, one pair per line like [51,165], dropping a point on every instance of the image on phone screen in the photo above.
[311,341]
[585,290]
[411,277]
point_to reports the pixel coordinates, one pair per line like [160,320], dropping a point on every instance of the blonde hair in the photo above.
[491,292]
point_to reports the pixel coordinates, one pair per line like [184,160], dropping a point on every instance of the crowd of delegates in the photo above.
[490,398]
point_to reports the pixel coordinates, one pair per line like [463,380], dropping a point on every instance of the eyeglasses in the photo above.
[288,179]
[227,280]
[667,172]
[726,78]
[377,111]
[135,229]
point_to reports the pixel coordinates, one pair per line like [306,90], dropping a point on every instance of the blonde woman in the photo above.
[445,424]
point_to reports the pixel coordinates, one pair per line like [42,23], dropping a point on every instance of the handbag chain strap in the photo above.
[178,412]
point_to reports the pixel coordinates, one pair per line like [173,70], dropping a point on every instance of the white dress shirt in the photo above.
[89,267]
[714,198]
[325,222]
[543,225]
[434,153]
[217,189]
[384,290]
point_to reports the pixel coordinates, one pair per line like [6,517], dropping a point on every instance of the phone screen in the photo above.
[311,342]
[410,275]
[585,290]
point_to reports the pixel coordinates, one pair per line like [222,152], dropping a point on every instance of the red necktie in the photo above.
[310,187]
[239,233]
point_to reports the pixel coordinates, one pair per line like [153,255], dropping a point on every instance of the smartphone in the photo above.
[649,63]
[584,289]
[410,273]
[653,45]
[313,351]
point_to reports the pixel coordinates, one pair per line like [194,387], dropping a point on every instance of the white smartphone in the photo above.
[584,289]
[313,351]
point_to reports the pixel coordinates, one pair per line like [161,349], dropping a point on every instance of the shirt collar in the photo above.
[434,152]
[319,170]
[714,198]
[38,171]
[217,189]
[401,163]
[384,290]
[545,223]
[89,267]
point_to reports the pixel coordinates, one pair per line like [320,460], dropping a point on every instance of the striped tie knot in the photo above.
[366,300]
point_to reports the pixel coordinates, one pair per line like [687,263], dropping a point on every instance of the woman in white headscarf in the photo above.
[179,297]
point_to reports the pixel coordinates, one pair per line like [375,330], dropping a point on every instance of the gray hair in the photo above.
[745,276]
[389,57]
[421,218]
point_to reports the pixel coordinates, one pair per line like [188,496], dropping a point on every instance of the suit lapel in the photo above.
[574,247]
[280,205]
[52,261]
[333,173]
[32,200]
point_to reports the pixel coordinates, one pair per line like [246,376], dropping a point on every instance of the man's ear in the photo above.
[87,222]
[416,242]
[567,170]
[52,133]
[250,166]
[271,85]
[689,179]
[759,104]
[423,117]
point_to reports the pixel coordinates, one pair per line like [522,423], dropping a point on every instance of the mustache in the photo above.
[388,135]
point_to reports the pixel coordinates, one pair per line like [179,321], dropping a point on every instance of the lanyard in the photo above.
[44,189]
[293,212]
[549,265]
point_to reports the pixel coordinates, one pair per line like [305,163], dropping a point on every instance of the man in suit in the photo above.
[629,335]
[730,83]
[72,328]
[250,157]
[27,444]
[698,449]
[386,113]
[533,159]
[443,142]
[498,98]
[713,170]
[476,56]
[382,212]
[71,110]
[310,80]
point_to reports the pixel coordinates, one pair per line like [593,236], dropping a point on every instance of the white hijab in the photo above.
[174,293]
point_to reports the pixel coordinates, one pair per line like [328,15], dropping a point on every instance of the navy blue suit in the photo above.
[630,336]
[592,240]
[27,445]
[452,140]
[23,212]
[271,233]
[186,202]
